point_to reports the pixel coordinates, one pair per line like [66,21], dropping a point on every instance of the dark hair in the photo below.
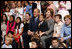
[10,32]
[18,23]
[37,42]
[55,38]
[13,20]
[41,15]
[61,45]
[60,17]
[13,17]
[5,20]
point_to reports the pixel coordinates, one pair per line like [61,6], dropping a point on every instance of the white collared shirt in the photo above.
[58,27]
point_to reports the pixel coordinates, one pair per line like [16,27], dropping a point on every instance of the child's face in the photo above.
[55,43]
[57,19]
[10,35]
[18,20]
[7,41]
[33,45]
[4,18]
[67,21]
[41,18]
[11,18]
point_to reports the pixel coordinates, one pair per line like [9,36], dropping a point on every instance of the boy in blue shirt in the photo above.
[66,29]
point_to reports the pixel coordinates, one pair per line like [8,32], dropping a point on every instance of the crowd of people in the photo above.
[35,24]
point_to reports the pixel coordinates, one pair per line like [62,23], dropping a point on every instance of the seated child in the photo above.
[55,43]
[42,27]
[7,43]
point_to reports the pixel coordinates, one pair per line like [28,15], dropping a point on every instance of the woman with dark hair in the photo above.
[4,25]
[10,24]
[26,37]
[18,32]
[4,19]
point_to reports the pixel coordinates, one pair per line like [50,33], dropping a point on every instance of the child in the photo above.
[55,43]
[66,29]
[10,34]
[18,32]
[58,25]
[7,43]
[42,25]
[10,24]
[62,45]
[35,42]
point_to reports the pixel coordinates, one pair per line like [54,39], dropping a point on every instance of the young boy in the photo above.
[58,25]
[66,29]
[7,43]
[42,25]
[10,34]
[55,43]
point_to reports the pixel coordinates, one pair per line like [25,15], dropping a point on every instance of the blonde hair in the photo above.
[67,16]
[10,39]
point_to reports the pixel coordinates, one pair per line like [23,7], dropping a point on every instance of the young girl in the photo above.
[10,24]
[18,32]
[4,25]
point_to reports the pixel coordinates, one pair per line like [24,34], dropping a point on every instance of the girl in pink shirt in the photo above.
[11,24]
